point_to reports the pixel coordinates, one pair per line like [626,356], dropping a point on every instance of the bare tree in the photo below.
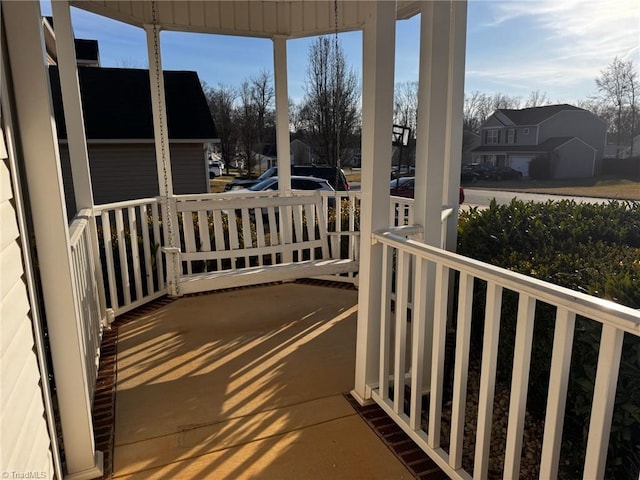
[631,78]
[478,107]
[614,85]
[131,62]
[405,105]
[262,95]
[295,120]
[504,101]
[330,107]
[221,105]
[476,110]
[537,99]
[246,120]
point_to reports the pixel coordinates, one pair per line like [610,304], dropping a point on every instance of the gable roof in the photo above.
[116,103]
[535,115]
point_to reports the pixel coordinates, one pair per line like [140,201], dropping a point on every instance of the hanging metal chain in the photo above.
[163,154]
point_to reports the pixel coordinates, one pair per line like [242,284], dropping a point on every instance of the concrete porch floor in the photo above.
[246,383]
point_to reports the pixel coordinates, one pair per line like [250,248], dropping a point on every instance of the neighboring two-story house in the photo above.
[571,138]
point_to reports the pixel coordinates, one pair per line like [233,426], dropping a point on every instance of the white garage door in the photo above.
[521,164]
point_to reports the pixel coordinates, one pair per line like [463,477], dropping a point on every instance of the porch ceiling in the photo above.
[253,18]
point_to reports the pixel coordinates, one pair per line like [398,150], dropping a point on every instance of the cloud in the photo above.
[573,41]
[600,29]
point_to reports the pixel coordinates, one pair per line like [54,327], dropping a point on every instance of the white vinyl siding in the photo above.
[24,437]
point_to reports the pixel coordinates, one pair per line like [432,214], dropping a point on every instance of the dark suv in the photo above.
[333,175]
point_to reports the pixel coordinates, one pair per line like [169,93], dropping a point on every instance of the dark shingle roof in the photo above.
[547,146]
[535,115]
[87,49]
[117,104]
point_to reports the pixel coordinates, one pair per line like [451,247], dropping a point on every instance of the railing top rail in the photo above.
[398,199]
[446,213]
[78,224]
[223,195]
[268,194]
[233,202]
[605,311]
[98,209]
[341,193]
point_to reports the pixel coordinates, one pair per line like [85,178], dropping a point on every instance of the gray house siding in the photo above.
[527,135]
[524,135]
[576,123]
[573,160]
[492,121]
[128,171]
[518,135]
[190,169]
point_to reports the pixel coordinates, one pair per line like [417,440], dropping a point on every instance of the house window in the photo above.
[511,135]
[525,131]
[493,136]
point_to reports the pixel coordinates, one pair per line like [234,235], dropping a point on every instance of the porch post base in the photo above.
[96,471]
[363,402]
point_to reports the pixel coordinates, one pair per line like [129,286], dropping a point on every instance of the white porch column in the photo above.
[38,139]
[163,158]
[433,102]
[282,132]
[282,112]
[440,99]
[76,138]
[454,123]
[433,145]
[377,120]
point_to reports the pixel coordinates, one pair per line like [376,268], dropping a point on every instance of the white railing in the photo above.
[130,239]
[417,298]
[89,311]
[225,241]
[342,214]
[401,211]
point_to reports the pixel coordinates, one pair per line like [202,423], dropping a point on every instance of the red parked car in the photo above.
[404,187]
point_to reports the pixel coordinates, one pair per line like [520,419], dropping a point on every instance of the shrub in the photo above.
[540,168]
[590,248]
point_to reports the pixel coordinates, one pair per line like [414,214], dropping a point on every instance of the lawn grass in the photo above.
[217,184]
[604,186]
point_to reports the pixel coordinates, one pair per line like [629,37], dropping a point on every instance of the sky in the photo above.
[514,47]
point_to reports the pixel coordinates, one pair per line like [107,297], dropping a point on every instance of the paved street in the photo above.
[482,198]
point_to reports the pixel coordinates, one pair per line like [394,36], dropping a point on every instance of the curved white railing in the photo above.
[89,311]
[416,292]
[130,238]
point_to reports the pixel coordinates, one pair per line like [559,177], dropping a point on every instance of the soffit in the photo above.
[252,18]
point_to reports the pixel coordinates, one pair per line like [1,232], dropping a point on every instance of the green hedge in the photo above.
[590,248]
